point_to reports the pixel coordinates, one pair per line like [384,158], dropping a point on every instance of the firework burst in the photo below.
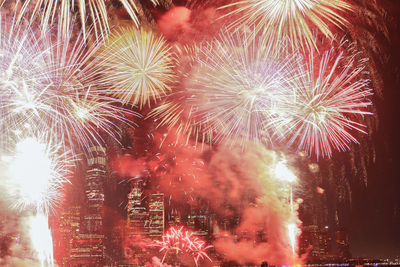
[278,19]
[331,96]
[93,11]
[237,89]
[136,66]
[180,241]
[49,84]
[176,111]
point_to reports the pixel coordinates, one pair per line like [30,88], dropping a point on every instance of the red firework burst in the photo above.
[182,241]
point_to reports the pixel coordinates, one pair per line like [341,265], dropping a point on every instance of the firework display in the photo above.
[34,174]
[46,91]
[181,241]
[176,111]
[330,96]
[263,87]
[238,89]
[89,11]
[289,18]
[45,83]
[136,66]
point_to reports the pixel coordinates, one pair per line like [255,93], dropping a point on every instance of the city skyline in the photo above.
[140,226]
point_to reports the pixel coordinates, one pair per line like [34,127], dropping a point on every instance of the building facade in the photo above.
[88,247]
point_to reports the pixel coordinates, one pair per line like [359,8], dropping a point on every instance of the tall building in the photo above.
[199,220]
[137,228]
[138,217]
[174,218]
[315,238]
[94,190]
[156,215]
[68,227]
[342,243]
[88,248]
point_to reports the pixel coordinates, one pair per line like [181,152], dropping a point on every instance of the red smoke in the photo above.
[236,184]
[128,166]
[175,21]
[156,262]
[262,232]
[182,25]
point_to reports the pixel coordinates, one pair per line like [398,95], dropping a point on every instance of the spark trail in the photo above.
[47,82]
[94,12]
[331,100]
[294,19]
[238,89]
[41,239]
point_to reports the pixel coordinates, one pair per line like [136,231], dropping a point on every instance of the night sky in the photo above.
[374,219]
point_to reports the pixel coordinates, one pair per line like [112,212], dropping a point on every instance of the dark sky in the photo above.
[375,216]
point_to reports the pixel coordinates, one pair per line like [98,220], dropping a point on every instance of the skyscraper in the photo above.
[156,215]
[199,220]
[342,243]
[88,248]
[137,228]
[94,190]
[174,217]
[138,217]
[68,227]
[317,238]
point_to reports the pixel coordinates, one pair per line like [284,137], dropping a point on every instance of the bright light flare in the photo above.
[181,241]
[36,172]
[283,173]
[41,239]
[292,229]
[32,168]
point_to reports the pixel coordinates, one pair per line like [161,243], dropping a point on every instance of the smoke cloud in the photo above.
[183,25]
[14,242]
[239,186]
